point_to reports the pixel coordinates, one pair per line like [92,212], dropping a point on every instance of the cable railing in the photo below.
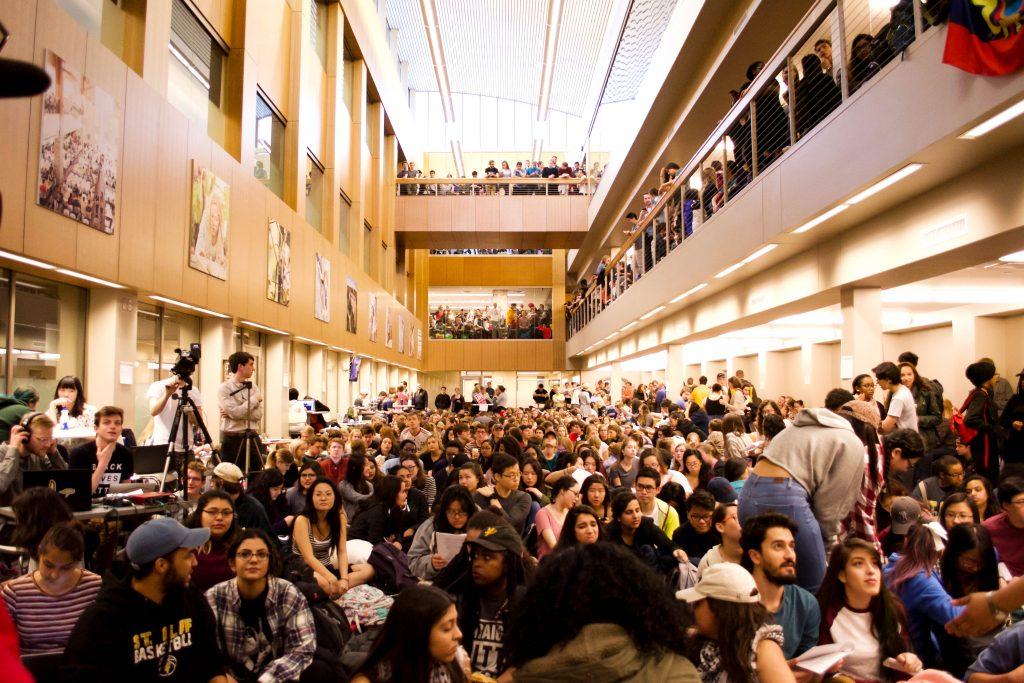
[768,116]
[507,187]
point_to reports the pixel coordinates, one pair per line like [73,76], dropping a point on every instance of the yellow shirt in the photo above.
[699,394]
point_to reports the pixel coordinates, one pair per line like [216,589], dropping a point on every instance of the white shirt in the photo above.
[854,629]
[162,421]
[903,408]
[679,478]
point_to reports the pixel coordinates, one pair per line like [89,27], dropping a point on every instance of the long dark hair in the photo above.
[991,506]
[195,520]
[597,480]
[868,436]
[567,539]
[919,555]
[452,494]
[354,473]
[264,481]
[37,509]
[402,650]
[737,625]
[963,538]
[274,559]
[387,491]
[634,597]
[888,623]
[704,474]
[72,382]
[333,515]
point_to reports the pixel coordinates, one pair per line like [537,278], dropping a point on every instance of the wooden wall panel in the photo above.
[219,13]
[173,183]
[273,50]
[491,355]
[140,167]
[19,18]
[488,271]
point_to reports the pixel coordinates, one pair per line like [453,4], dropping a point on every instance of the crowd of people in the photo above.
[709,533]
[517,321]
[87,189]
[534,170]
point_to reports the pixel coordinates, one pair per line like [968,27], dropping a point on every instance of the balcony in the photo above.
[484,213]
[764,189]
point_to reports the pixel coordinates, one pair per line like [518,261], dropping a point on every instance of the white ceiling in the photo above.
[496,47]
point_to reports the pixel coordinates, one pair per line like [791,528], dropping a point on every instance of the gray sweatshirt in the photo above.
[12,464]
[821,452]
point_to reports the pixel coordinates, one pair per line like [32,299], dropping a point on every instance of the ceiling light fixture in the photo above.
[1015,257]
[815,222]
[182,304]
[990,124]
[554,25]
[885,182]
[26,260]
[632,324]
[249,323]
[307,340]
[756,255]
[88,278]
[653,311]
[691,290]
[430,26]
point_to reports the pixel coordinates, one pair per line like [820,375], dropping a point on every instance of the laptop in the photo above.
[74,485]
[149,459]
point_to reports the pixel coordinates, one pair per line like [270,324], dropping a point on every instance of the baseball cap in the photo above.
[724,581]
[905,512]
[499,537]
[229,472]
[722,490]
[161,536]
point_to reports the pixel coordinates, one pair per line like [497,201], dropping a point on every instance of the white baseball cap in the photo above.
[724,581]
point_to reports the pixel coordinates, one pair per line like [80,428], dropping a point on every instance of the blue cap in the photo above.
[161,536]
[721,489]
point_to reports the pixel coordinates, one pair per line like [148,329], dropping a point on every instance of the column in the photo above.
[861,344]
[111,331]
[675,370]
[976,337]
[616,381]
[317,384]
[275,394]
[218,343]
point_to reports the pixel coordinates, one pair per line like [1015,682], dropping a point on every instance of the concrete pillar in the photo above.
[615,386]
[861,342]
[275,394]
[675,370]
[976,337]
[218,339]
[316,386]
[111,332]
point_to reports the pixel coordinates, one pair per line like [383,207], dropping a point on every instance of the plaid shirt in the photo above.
[860,522]
[291,622]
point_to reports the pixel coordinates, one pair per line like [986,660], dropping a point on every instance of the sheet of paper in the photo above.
[126,372]
[580,475]
[448,545]
[821,658]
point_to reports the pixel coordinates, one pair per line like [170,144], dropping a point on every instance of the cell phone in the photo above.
[892,663]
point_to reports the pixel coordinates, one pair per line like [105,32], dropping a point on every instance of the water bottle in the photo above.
[64,419]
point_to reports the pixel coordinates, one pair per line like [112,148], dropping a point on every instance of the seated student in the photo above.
[727,525]
[736,471]
[195,482]
[769,554]
[147,627]
[420,641]
[859,611]
[227,477]
[35,511]
[296,495]
[741,643]
[665,517]
[504,495]
[13,408]
[1007,528]
[265,628]
[267,488]
[357,485]
[581,527]
[214,511]
[659,459]
[110,462]
[46,603]
[969,565]
[623,473]
[957,509]
[635,634]
[384,517]
[32,447]
[551,517]
[596,493]
[416,501]
[948,478]
[335,464]
[913,577]
[1002,661]
[319,535]
[696,535]
[450,517]
[487,594]
[640,535]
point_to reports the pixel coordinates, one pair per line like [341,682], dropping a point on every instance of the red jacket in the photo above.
[335,473]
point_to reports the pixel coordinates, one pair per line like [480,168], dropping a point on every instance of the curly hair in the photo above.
[632,596]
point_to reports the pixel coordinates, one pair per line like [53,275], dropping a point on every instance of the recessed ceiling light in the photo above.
[26,260]
[249,323]
[691,290]
[990,124]
[88,278]
[814,222]
[885,182]
[651,312]
[182,304]
[1015,257]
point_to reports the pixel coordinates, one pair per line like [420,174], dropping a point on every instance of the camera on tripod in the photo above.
[187,362]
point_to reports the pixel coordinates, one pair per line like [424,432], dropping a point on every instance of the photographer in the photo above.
[241,408]
[162,406]
[32,447]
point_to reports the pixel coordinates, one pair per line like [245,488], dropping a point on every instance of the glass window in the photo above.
[490,313]
[314,193]
[49,331]
[367,248]
[318,30]
[147,369]
[344,207]
[269,147]
[196,69]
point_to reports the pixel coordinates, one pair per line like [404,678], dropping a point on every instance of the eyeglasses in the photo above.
[457,513]
[960,516]
[246,555]
[699,518]
[512,475]
[651,487]
[219,513]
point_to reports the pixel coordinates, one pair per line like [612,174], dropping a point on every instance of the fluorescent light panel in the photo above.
[88,278]
[990,124]
[630,325]
[653,311]
[1015,257]
[691,290]
[26,260]
[815,222]
[756,255]
[885,182]
[249,323]
[182,304]
[307,340]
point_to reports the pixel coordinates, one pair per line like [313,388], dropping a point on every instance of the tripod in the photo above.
[180,418]
[250,444]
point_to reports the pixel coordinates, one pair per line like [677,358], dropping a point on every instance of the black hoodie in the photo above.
[125,636]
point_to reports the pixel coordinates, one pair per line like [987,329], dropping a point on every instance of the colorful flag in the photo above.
[986,37]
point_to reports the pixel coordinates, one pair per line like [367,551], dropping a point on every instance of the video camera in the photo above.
[187,361]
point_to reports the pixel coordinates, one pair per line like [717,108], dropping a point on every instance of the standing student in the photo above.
[981,415]
[109,461]
[240,403]
[901,409]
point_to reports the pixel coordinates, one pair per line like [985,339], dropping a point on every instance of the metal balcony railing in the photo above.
[784,99]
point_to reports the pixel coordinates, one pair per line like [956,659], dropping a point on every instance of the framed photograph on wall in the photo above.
[209,222]
[322,288]
[373,317]
[389,340]
[279,263]
[351,305]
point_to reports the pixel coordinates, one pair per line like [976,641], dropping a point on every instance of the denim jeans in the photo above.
[766,494]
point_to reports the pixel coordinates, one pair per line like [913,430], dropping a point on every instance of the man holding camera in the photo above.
[163,403]
[241,408]
[32,447]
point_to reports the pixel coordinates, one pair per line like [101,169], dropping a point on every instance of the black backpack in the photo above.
[391,569]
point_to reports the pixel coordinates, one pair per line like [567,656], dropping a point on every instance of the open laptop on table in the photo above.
[151,461]
[74,485]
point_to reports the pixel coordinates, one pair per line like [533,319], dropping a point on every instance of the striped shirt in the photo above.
[44,621]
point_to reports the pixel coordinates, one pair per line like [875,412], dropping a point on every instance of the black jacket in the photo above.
[1013,447]
[443,402]
[124,636]
[250,514]
[419,400]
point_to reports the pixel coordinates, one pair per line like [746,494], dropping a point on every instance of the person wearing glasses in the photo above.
[265,628]
[450,517]
[214,511]
[504,496]
[696,535]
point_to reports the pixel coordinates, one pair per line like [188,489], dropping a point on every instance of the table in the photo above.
[101,511]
